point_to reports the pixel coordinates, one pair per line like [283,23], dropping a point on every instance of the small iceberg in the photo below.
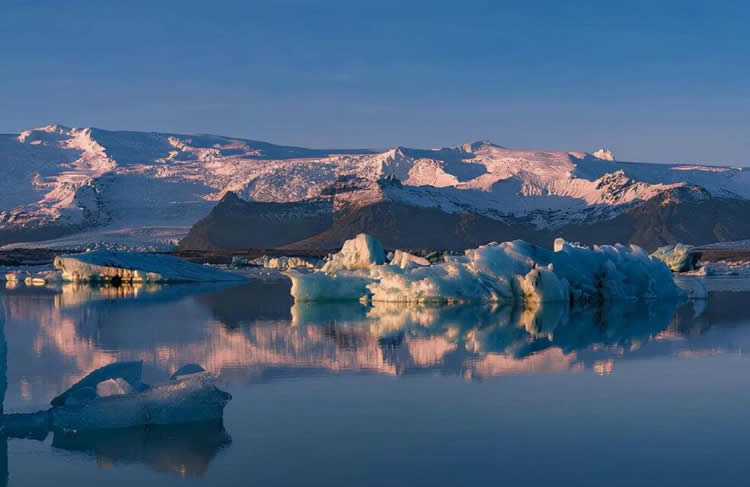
[113,397]
[105,265]
[282,262]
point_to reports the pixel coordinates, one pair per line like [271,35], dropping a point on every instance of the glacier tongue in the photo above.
[498,272]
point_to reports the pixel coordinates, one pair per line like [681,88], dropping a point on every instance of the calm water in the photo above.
[643,394]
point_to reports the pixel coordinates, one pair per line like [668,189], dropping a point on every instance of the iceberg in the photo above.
[105,265]
[404,259]
[281,263]
[32,276]
[113,397]
[358,253]
[678,257]
[514,271]
[317,286]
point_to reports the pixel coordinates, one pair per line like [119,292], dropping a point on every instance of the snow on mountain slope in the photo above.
[122,181]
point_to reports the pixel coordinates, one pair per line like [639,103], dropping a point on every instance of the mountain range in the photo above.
[69,187]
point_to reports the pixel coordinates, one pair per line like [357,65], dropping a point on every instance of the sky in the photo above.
[662,81]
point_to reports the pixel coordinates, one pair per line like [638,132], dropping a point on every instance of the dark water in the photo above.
[637,394]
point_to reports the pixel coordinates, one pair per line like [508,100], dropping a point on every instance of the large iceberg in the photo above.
[496,272]
[105,265]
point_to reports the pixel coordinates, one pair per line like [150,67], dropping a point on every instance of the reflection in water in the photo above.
[253,332]
[186,450]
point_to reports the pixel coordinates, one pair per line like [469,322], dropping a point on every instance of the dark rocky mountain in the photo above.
[676,216]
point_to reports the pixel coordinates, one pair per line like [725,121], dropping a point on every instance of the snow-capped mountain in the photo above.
[133,187]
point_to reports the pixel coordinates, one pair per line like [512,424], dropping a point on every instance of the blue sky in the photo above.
[655,81]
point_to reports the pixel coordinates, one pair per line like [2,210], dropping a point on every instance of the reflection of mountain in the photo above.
[249,333]
[186,450]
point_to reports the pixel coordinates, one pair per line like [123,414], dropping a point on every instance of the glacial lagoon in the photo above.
[349,394]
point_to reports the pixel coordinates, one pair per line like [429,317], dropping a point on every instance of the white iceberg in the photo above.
[37,275]
[359,253]
[404,259]
[317,286]
[282,262]
[505,272]
[105,265]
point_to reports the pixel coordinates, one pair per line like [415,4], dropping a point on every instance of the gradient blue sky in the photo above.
[655,81]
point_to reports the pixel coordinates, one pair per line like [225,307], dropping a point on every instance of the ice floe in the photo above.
[104,265]
[496,272]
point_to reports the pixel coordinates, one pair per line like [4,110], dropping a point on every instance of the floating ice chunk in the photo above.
[35,275]
[678,257]
[27,425]
[317,286]
[16,276]
[358,253]
[281,263]
[404,259]
[113,387]
[509,271]
[188,398]
[104,265]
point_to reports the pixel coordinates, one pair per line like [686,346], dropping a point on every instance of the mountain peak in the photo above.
[604,154]
[477,145]
[42,133]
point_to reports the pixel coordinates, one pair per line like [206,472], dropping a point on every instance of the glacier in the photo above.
[136,190]
[514,271]
[105,265]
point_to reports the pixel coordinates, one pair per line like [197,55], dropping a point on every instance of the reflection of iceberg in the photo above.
[537,337]
[183,449]
[255,332]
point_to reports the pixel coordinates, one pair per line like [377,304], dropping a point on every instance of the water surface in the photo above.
[345,394]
